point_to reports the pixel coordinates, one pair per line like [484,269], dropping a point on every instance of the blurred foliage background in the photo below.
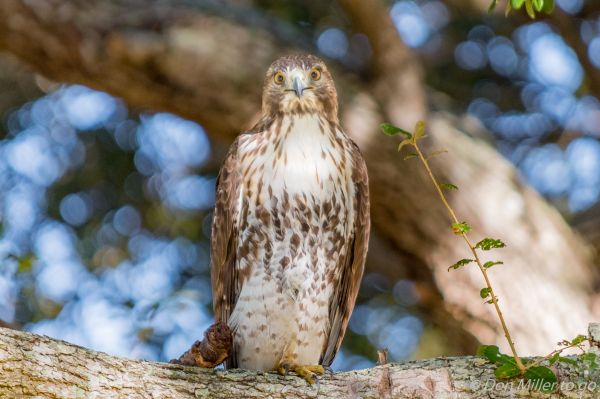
[105,207]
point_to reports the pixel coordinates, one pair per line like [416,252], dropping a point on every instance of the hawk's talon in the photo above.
[283,369]
[310,373]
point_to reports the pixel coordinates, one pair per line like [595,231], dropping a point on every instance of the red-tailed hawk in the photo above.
[291,226]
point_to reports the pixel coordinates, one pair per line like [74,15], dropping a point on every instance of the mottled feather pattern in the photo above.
[290,228]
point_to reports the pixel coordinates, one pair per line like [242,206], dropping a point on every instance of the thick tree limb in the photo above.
[107,45]
[177,57]
[37,366]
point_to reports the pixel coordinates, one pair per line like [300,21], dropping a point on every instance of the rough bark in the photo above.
[33,366]
[182,57]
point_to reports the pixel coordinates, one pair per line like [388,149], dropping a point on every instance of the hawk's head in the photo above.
[299,84]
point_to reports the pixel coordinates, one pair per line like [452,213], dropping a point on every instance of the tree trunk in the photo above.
[207,63]
[33,366]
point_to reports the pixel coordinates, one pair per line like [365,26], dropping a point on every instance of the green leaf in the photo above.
[490,352]
[507,370]
[578,339]
[490,243]
[436,153]
[490,263]
[538,5]
[529,9]
[492,6]
[449,186]
[409,156]
[460,263]
[485,292]
[548,6]
[554,358]
[419,130]
[591,358]
[403,143]
[507,359]
[392,130]
[461,228]
[542,378]
[567,360]
[516,4]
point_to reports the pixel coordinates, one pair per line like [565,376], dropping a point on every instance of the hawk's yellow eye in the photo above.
[279,78]
[315,73]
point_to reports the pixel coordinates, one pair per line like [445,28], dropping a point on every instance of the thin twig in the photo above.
[473,249]
[554,352]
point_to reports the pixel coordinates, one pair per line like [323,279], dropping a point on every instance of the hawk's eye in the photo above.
[315,73]
[279,78]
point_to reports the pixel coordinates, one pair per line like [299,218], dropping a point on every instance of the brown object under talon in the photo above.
[211,351]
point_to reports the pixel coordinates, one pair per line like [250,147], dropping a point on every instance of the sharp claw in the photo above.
[283,369]
[328,369]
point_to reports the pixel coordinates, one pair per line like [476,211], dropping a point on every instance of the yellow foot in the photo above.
[309,373]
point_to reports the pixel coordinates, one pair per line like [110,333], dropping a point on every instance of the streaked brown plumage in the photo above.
[291,225]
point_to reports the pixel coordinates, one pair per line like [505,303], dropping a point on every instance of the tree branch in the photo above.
[159,56]
[38,366]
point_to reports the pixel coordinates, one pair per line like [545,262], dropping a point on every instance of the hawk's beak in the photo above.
[298,86]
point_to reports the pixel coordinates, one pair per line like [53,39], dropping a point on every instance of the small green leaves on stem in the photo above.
[485,292]
[578,340]
[490,243]
[542,378]
[409,156]
[461,228]
[411,139]
[419,130]
[436,153]
[460,263]
[449,186]
[392,130]
[531,6]
[516,4]
[490,263]
[529,9]
[404,142]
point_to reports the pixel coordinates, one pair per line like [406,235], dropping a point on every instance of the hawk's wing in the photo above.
[223,245]
[345,293]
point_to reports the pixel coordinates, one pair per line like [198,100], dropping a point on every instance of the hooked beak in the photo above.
[298,86]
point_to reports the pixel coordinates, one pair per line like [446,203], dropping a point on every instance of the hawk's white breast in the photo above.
[296,179]
[305,168]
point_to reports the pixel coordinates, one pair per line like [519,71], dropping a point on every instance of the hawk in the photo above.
[291,226]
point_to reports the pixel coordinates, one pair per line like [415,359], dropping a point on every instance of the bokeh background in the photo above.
[106,193]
